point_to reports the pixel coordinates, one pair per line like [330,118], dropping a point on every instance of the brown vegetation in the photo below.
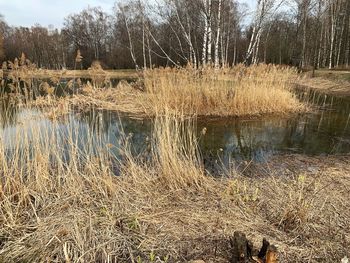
[167,209]
[333,85]
[113,74]
[235,92]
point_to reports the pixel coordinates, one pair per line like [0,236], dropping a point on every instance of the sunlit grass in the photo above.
[237,91]
[234,92]
[54,208]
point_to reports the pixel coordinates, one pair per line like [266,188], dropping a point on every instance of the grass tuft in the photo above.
[166,207]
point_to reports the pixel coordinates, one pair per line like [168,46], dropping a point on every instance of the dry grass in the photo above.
[43,73]
[166,209]
[337,87]
[46,73]
[238,91]
[235,92]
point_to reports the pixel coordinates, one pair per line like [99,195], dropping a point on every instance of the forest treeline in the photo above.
[144,33]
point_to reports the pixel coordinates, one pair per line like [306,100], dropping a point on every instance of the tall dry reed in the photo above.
[60,201]
[237,91]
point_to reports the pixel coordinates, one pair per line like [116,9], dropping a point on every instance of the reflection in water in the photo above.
[325,132]
[62,87]
[8,113]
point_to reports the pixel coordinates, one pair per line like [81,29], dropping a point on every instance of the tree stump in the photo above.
[242,250]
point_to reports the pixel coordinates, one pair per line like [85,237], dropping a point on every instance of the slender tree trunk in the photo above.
[144,46]
[205,35]
[303,53]
[341,40]
[222,48]
[234,51]
[210,33]
[253,48]
[218,31]
[192,55]
[256,48]
[333,7]
[131,46]
[320,46]
[347,51]
[149,50]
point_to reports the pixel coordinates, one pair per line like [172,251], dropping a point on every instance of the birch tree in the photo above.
[207,35]
[264,10]
[218,36]
[125,18]
[184,23]
[334,8]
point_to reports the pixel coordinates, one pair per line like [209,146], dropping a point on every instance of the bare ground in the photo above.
[335,87]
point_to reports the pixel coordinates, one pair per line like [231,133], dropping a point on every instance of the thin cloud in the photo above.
[46,12]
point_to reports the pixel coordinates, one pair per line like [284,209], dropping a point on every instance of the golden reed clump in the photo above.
[237,91]
[231,92]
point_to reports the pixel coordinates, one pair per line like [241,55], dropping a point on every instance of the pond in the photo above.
[325,131]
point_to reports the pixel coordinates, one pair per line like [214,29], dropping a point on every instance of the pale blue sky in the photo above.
[46,12]
[51,12]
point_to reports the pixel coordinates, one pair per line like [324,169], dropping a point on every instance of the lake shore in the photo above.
[139,98]
[168,206]
[68,74]
[236,92]
[332,82]
[170,209]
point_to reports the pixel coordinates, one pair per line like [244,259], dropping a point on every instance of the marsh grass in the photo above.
[237,91]
[165,209]
[323,84]
[23,79]
[234,92]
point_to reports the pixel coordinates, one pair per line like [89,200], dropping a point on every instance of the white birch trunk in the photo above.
[144,45]
[218,31]
[334,13]
[210,33]
[192,55]
[205,35]
[131,46]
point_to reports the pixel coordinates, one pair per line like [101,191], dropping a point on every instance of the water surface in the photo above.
[325,131]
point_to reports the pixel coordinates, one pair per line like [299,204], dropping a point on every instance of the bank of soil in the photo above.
[336,87]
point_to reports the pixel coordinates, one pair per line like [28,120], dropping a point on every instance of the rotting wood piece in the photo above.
[242,250]
[264,248]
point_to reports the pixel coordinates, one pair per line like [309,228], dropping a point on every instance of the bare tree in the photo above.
[2,51]
[88,31]
[207,35]
[218,36]
[264,10]
[196,32]
[126,22]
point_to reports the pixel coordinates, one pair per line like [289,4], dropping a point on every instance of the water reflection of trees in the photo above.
[327,131]
[113,129]
[8,113]
[322,132]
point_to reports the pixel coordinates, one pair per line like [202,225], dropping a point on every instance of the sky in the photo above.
[46,12]
[51,12]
